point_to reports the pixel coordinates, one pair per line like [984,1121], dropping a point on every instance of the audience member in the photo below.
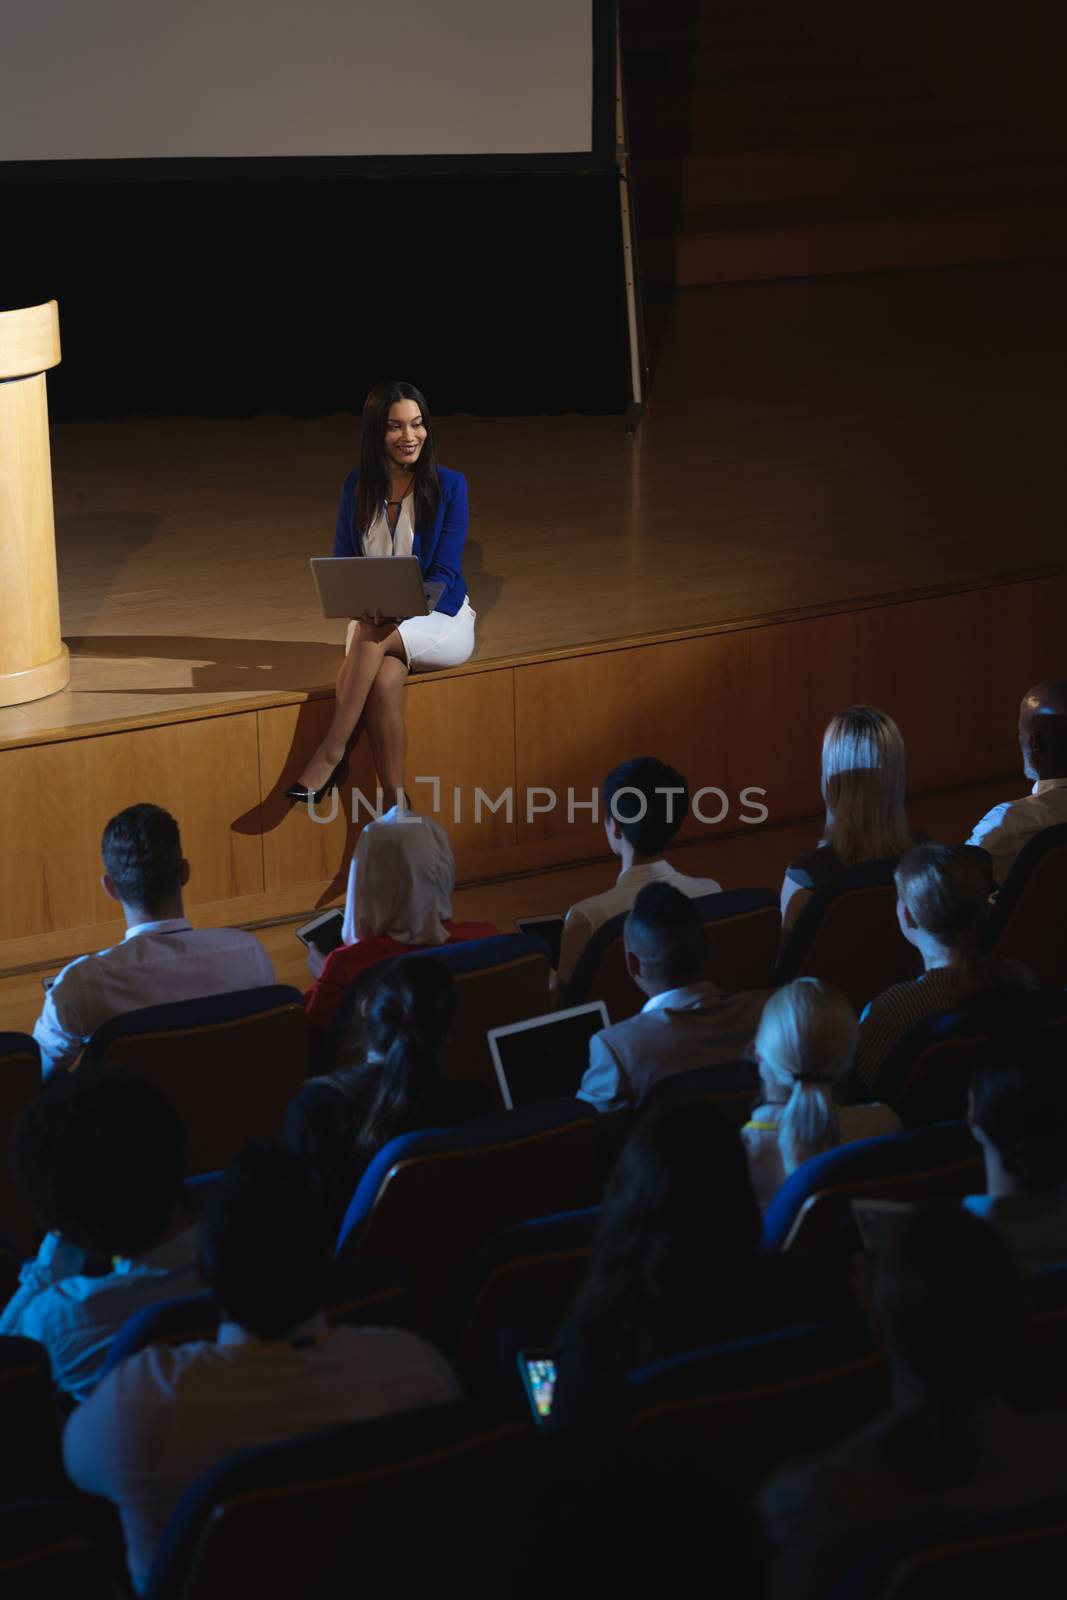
[1009,827]
[806,1040]
[863,784]
[941,905]
[645,803]
[388,1081]
[676,1261]
[948,1296]
[275,1370]
[1017,1111]
[399,898]
[686,1020]
[99,1156]
[161,958]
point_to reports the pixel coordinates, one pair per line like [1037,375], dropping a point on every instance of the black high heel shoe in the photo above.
[300,791]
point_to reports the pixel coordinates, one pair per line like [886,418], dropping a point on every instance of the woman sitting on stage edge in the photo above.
[399,503]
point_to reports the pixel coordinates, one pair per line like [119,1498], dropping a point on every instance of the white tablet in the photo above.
[348,586]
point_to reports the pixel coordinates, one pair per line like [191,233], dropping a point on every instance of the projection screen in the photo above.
[104,80]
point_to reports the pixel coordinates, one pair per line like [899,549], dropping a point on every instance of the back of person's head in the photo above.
[863,785]
[1019,1104]
[679,1229]
[142,853]
[98,1154]
[648,820]
[406,1010]
[944,889]
[400,881]
[949,1298]
[807,1036]
[264,1241]
[665,933]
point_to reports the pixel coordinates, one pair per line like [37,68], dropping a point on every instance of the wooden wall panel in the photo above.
[460,730]
[684,700]
[58,797]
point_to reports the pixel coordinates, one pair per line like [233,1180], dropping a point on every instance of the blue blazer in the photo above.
[439,548]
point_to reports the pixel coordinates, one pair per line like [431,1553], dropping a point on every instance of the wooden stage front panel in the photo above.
[737,707]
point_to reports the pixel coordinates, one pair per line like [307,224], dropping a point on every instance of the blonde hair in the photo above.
[863,782]
[807,1036]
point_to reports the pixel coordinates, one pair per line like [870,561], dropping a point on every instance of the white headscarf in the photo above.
[400,881]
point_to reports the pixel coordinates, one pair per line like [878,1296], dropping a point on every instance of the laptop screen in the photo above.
[546,1057]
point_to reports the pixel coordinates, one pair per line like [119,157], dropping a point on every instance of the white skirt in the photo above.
[435,641]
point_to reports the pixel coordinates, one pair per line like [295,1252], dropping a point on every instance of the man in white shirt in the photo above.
[161,958]
[645,803]
[686,1021]
[1009,827]
[276,1370]
[99,1156]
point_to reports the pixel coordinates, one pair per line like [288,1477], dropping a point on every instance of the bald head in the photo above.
[1043,729]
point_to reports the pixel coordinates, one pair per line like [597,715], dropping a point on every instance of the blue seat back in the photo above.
[1028,922]
[519,1286]
[498,980]
[926,1075]
[848,934]
[731,1087]
[741,930]
[375,1507]
[20,1080]
[229,1064]
[428,1200]
[942,1159]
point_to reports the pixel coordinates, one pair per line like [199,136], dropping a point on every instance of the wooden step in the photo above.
[857,244]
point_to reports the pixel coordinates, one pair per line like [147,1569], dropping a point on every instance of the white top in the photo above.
[1009,827]
[155,963]
[380,540]
[760,1138]
[76,1316]
[587,916]
[164,1416]
[400,881]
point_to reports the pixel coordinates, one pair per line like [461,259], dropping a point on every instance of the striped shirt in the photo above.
[893,1014]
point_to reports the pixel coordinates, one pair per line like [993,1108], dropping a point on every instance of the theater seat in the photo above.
[366,1294]
[848,935]
[1019,1551]
[30,1462]
[1028,921]
[731,1087]
[754,1402]
[66,1547]
[519,1288]
[428,1200]
[926,1075]
[498,980]
[229,1064]
[741,928]
[918,1165]
[389,1507]
[20,1080]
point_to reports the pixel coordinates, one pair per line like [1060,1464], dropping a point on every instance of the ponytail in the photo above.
[406,1014]
[809,1122]
[806,1038]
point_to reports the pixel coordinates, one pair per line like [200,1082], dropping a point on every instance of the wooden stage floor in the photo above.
[843,490]
[808,446]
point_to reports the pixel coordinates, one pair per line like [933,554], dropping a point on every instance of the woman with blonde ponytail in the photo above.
[806,1040]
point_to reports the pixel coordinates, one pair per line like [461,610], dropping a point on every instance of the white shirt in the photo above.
[167,1414]
[76,1316]
[381,540]
[155,963]
[1009,827]
[587,916]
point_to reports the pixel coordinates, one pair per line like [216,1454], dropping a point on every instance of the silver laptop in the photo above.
[545,1057]
[391,585]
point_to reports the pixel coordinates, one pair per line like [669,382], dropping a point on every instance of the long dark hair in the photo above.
[373,485]
[678,1237]
[406,1012]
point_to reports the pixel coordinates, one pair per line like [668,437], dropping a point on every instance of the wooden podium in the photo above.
[33,658]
